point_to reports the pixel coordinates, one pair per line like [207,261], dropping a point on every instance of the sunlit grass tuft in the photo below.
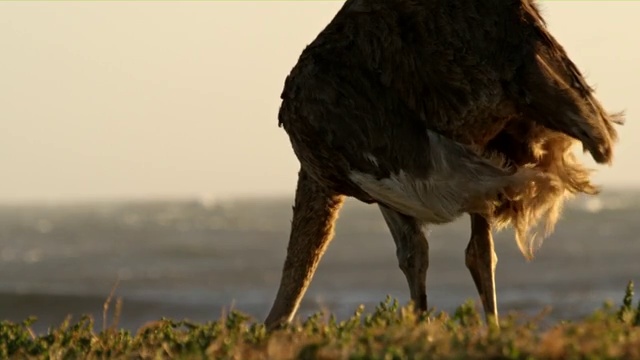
[389,331]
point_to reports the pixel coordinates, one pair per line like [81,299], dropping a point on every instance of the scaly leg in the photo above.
[412,250]
[314,213]
[481,260]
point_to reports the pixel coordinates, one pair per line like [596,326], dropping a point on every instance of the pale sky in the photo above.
[104,100]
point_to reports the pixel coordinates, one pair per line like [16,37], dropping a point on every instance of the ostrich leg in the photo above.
[481,260]
[314,213]
[412,250]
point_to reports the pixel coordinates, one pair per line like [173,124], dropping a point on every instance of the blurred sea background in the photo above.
[195,258]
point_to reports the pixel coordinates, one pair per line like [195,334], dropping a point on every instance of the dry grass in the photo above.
[389,332]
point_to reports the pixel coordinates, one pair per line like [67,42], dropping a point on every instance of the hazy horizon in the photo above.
[122,100]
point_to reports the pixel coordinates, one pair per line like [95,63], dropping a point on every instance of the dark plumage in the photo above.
[432,109]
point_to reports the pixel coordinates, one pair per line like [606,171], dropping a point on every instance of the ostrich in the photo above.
[432,109]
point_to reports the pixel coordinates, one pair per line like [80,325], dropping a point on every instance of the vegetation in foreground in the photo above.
[389,332]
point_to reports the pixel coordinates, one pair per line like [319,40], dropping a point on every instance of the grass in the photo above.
[389,332]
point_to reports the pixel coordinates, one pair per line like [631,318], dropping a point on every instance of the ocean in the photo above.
[196,259]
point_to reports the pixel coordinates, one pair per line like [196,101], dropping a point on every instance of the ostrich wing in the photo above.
[467,67]
[557,95]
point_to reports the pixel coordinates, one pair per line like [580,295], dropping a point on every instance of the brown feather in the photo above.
[484,74]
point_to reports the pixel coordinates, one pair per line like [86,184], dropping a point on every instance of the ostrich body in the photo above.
[432,109]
